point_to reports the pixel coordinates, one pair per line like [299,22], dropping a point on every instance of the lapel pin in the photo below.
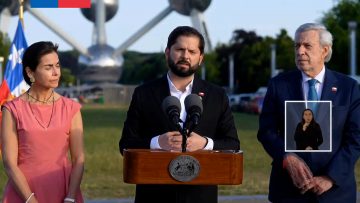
[334,89]
[201,94]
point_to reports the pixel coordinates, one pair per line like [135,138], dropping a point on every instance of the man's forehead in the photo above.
[307,37]
[190,41]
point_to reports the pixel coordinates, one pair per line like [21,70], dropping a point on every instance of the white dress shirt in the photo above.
[318,85]
[154,144]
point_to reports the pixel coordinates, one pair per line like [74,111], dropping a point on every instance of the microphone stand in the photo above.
[183,132]
[189,126]
[184,138]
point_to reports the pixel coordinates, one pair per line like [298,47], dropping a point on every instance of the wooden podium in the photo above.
[145,166]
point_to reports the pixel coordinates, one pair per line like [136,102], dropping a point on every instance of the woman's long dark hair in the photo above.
[312,120]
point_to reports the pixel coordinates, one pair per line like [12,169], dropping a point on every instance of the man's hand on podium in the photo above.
[171,141]
[195,142]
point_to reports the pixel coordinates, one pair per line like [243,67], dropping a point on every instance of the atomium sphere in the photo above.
[12,5]
[184,7]
[111,7]
[102,66]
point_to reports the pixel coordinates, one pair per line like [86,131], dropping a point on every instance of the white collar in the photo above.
[319,77]
[174,89]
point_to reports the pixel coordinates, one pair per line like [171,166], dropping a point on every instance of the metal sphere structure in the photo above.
[12,5]
[185,7]
[101,63]
[111,7]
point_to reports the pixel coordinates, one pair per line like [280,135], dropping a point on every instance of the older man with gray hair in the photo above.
[303,177]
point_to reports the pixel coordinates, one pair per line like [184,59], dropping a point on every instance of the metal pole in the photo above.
[198,21]
[58,31]
[142,31]
[203,71]
[21,12]
[1,69]
[100,17]
[231,72]
[352,26]
[273,60]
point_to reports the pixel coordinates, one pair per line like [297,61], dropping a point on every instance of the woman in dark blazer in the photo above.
[308,134]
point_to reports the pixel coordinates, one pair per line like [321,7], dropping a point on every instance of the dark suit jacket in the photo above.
[338,164]
[311,137]
[145,120]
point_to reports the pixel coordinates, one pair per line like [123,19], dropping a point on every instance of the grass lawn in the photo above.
[103,168]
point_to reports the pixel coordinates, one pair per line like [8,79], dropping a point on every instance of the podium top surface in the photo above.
[195,152]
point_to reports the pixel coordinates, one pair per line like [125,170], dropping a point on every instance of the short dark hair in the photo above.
[33,55]
[185,31]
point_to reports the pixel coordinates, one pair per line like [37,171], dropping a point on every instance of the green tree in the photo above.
[222,57]
[67,79]
[251,55]
[336,20]
[252,58]
[285,53]
[5,44]
[141,67]
[212,67]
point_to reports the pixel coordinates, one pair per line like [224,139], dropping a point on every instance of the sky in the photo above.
[265,17]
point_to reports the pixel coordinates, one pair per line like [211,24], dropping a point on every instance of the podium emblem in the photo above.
[184,168]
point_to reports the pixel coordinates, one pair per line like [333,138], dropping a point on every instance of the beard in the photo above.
[179,71]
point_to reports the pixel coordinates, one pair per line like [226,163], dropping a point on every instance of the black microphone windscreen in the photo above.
[171,101]
[193,100]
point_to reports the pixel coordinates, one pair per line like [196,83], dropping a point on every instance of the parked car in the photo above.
[261,91]
[255,105]
[238,102]
[248,102]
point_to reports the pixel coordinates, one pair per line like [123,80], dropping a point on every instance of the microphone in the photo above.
[194,108]
[172,108]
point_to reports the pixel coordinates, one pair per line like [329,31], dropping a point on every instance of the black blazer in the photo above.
[311,137]
[145,120]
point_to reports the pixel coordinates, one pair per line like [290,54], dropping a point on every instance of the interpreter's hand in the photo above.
[322,184]
[299,172]
[195,142]
[305,126]
[171,141]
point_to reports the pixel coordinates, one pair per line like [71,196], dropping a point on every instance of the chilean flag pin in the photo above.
[334,89]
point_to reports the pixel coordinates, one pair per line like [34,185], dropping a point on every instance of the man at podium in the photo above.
[148,126]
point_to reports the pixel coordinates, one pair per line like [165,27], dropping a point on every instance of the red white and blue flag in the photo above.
[60,3]
[14,84]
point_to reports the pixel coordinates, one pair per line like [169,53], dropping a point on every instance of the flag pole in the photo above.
[21,12]
[1,69]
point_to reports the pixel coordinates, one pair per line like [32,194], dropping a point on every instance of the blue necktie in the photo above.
[312,95]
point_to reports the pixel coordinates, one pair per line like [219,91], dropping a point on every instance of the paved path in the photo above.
[222,199]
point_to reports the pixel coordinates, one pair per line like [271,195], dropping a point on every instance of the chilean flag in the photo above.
[14,84]
[60,3]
